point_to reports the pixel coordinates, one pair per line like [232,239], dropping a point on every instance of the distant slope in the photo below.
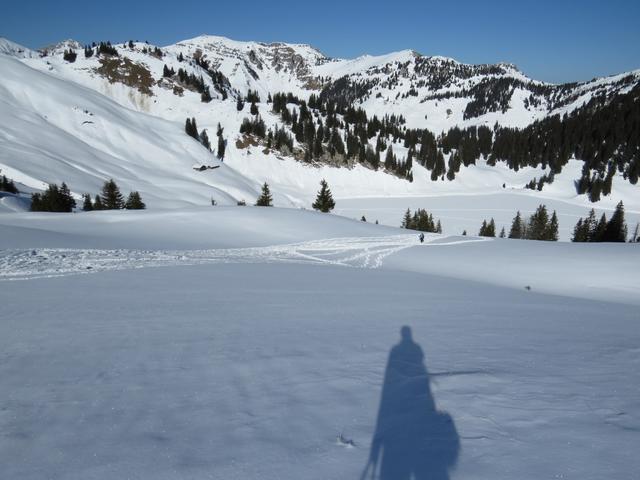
[121,116]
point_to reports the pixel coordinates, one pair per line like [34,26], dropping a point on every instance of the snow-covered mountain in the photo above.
[85,116]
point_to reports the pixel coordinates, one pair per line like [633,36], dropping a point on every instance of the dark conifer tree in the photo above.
[7,185]
[69,56]
[205,96]
[580,233]
[87,206]
[616,229]
[551,232]
[598,233]
[406,220]
[97,203]
[324,201]
[222,145]
[204,139]
[537,227]
[134,202]
[111,198]
[265,199]
[517,227]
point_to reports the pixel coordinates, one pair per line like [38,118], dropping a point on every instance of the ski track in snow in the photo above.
[359,252]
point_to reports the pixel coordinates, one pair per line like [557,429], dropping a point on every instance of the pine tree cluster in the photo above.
[421,220]
[254,126]
[538,227]
[69,56]
[105,48]
[111,198]
[53,199]
[7,185]
[191,129]
[487,229]
[590,229]
[604,133]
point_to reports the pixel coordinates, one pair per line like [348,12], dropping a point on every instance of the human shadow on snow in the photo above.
[412,439]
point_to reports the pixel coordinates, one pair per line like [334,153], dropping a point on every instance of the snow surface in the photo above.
[254,344]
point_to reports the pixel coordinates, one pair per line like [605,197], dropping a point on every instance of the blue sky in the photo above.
[556,41]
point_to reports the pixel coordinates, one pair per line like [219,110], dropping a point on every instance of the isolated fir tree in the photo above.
[134,202]
[502,233]
[97,203]
[110,197]
[239,104]
[222,143]
[363,219]
[265,199]
[324,201]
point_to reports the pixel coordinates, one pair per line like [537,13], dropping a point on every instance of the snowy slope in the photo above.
[7,47]
[78,136]
[91,127]
[248,362]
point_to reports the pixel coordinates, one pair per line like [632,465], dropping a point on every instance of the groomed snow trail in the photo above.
[361,252]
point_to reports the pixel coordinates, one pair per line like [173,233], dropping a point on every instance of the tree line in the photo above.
[604,133]
[60,199]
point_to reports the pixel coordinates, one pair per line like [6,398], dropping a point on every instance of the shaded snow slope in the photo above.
[251,366]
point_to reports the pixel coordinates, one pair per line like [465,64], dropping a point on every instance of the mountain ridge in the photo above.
[416,92]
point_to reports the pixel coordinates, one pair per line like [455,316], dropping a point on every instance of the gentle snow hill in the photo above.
[204,227]
[257,235]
